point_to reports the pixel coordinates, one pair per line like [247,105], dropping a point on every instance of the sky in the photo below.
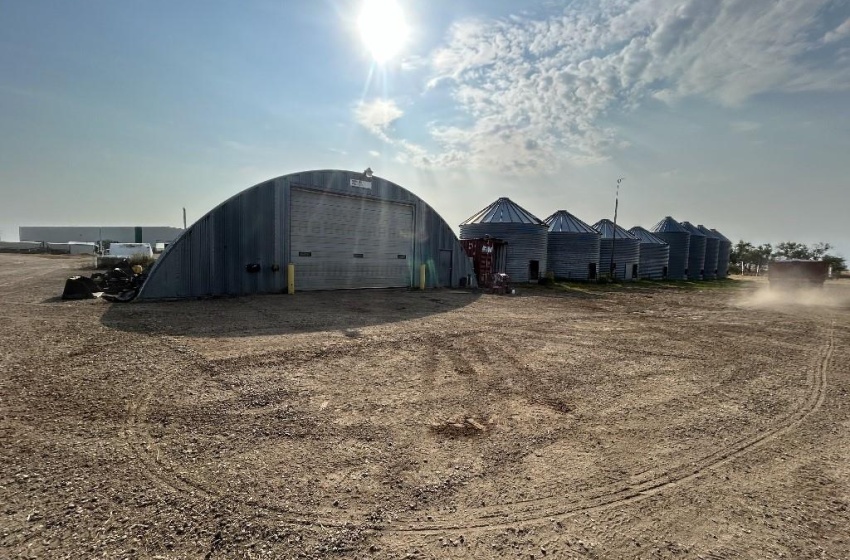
[730,113]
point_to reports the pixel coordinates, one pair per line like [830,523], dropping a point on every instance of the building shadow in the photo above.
[267,315]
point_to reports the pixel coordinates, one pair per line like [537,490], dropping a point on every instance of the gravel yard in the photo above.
[699,421]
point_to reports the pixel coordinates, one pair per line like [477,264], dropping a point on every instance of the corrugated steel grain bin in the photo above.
[625,248]
[340,229]
[573,252]
[679,241]
[525,234]
[724,254]
[654,255]
[696,253]
[712,252]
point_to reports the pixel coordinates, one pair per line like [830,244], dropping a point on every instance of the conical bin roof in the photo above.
[668,225]
[646,236]
[564,222]
[503,211]
[609,231]
[692,229]
[721,236]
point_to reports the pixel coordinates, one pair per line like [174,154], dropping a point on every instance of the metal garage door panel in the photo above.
[328,232]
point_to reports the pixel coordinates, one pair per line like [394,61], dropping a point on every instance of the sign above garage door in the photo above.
[340,241]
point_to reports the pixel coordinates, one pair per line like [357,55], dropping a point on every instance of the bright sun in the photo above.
[382,28]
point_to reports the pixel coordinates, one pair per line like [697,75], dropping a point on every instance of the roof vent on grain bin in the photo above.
[523,234]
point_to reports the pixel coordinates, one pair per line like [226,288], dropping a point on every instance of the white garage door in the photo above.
[349,242]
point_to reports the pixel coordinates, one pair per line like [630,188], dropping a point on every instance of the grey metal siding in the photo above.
[654,260]
[626,255]
[654,255]
[210,257]
[712,248]
[679,243]
[696,252]
[570,254]
[526,242]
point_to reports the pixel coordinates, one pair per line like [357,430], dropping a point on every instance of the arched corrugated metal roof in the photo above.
[256,227]
[564,222]
[503,211]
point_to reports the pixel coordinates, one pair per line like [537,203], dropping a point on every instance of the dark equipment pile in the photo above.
[119,284]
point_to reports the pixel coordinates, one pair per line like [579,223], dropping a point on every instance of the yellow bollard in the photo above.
[290,278]
[422,269]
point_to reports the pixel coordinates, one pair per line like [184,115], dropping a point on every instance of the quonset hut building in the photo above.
[340,229]
[525,234]
[573,252]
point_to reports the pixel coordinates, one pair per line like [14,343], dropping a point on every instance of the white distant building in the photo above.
[93,234]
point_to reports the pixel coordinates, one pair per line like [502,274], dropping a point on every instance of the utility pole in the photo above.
[184,217]
[612,272]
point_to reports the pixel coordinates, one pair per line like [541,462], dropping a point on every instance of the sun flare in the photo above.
[383,28]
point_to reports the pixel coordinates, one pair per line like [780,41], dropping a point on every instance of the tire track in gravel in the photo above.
[506,514]
[139,441]
[535,510]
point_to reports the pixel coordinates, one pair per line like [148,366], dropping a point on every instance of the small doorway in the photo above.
[634,271]
[591,271]
[533,271]
[664,273]
[445,271]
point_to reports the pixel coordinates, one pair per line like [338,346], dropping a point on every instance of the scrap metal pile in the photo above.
[119,284]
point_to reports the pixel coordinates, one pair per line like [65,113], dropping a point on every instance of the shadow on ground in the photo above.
[266,315]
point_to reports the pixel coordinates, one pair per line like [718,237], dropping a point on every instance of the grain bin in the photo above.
[625,248]
[573,247]
[723,254]
[679,241]
[712,251]
[654,255]
[525,234]
[696,253]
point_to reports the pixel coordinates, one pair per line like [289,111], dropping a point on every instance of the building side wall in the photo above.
[91,234]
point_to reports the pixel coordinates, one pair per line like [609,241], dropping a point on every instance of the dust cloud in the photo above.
[765,297]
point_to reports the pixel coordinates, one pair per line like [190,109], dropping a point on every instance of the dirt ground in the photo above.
[642,422]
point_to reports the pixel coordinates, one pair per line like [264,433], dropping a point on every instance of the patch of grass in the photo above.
[607,285]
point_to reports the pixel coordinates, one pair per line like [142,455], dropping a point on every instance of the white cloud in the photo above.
[377,115]
[533,93]
[745,126]
[374,153]
[839,33]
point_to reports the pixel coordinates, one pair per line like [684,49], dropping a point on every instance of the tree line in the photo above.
[754,257]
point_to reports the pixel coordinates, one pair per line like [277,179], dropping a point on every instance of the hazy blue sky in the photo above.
[730,113]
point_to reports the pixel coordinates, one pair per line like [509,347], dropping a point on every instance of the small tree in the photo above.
[792,250]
